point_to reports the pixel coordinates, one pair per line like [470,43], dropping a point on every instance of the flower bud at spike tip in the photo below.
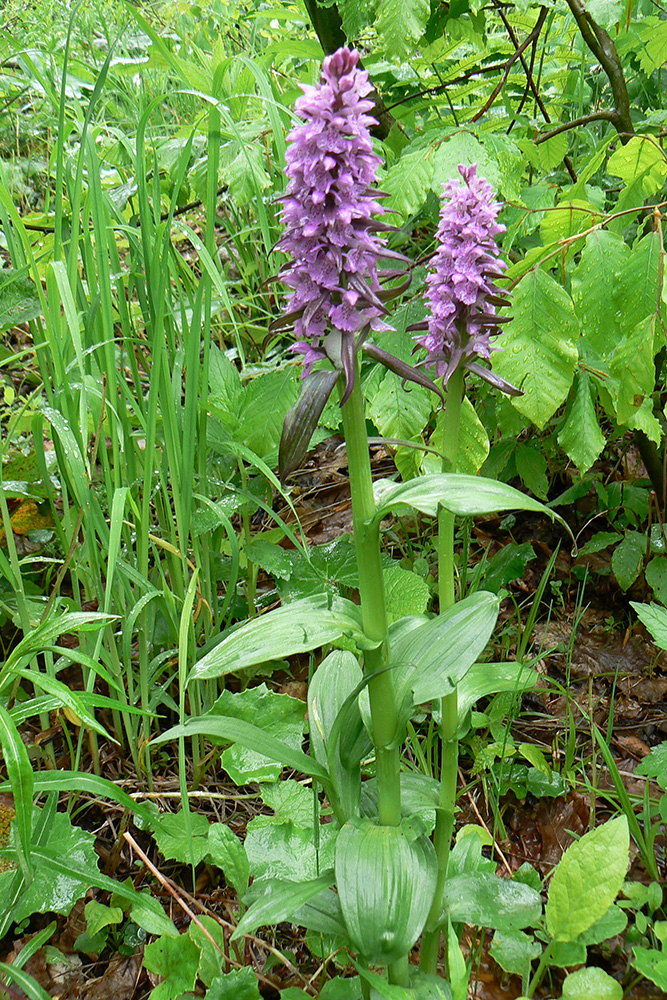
[327,213]
[460,287]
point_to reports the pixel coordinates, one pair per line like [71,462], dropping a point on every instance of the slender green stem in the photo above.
[442,837]
[374,619]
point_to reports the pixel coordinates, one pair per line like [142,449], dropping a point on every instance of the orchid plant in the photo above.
[391,879]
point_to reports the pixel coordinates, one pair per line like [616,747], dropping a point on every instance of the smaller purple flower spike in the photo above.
[461,288]
[328,211]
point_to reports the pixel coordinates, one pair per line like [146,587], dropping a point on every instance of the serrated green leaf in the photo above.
[587,880]
[514,951]
[408,182]
[356,16]
[652,964]
[377,871]
[653,53]
[401,414]
[539,346]
[580,436]
[591,982]
[226,851]
[462,147]
[626,560]
[406,593]
[656,577]
[655,764]
[182,836]
[287,851]
[177,961]
[641,165]
[485,900]
[19,301]
[552,152]
[282,717]
[632,365]
[400,24]
[532,467]
[239,984]
[569,218]
[607,13]
[655,619]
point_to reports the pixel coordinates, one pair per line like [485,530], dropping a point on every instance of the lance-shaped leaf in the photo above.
[225,729]
[386,883]
[303,418]
[463,495]
[280,901]
[401,368]
[296,627]
[443,649]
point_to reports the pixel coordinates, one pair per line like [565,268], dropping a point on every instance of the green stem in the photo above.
[373,611]
[374,619]
[444,826]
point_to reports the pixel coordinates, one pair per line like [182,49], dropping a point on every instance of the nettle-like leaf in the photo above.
[587,880]
[280,715]
[400,24]
[539,346]
[580,436]
[409,181]
[402,415]
[652,50]
[607,13]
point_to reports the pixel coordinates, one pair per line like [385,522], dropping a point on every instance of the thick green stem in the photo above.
[444,826]
[373,611]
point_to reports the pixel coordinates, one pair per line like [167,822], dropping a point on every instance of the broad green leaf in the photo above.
[400,24]
[580,436]
[21,782]
[403,415]
[653,53]
[297,627]
[356,16]
[291,801]
[99,916]
[507,565]
[656,577]
[532,467]
[334,680]
[224,383]
[323,914]
[284,850]
[53,890]
[485,900]
[264,402]
[177,961]
[385,884]
[514,951]
[282,717]
[587,880]
[568,218]
[591,982]
[409,180]
[19,301]
[231,730]
[655,764]
[227,853]
[461,147]
[211,959]
[463,495]
[607,13]
[179,839]
[483,679]
[632,365]
[280,901]
[626,560]
[239,984]
[443,649]
[641,165]
[406,593]
[552,152]
[652,964]
[539,352]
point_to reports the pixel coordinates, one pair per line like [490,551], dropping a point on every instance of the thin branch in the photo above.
[510,62]
[464,78]
[597,116]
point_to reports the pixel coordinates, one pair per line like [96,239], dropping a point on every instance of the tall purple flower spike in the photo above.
[461,288]
[328,213]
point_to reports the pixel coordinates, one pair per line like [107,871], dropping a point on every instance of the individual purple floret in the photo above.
[461,290]
[327,211]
